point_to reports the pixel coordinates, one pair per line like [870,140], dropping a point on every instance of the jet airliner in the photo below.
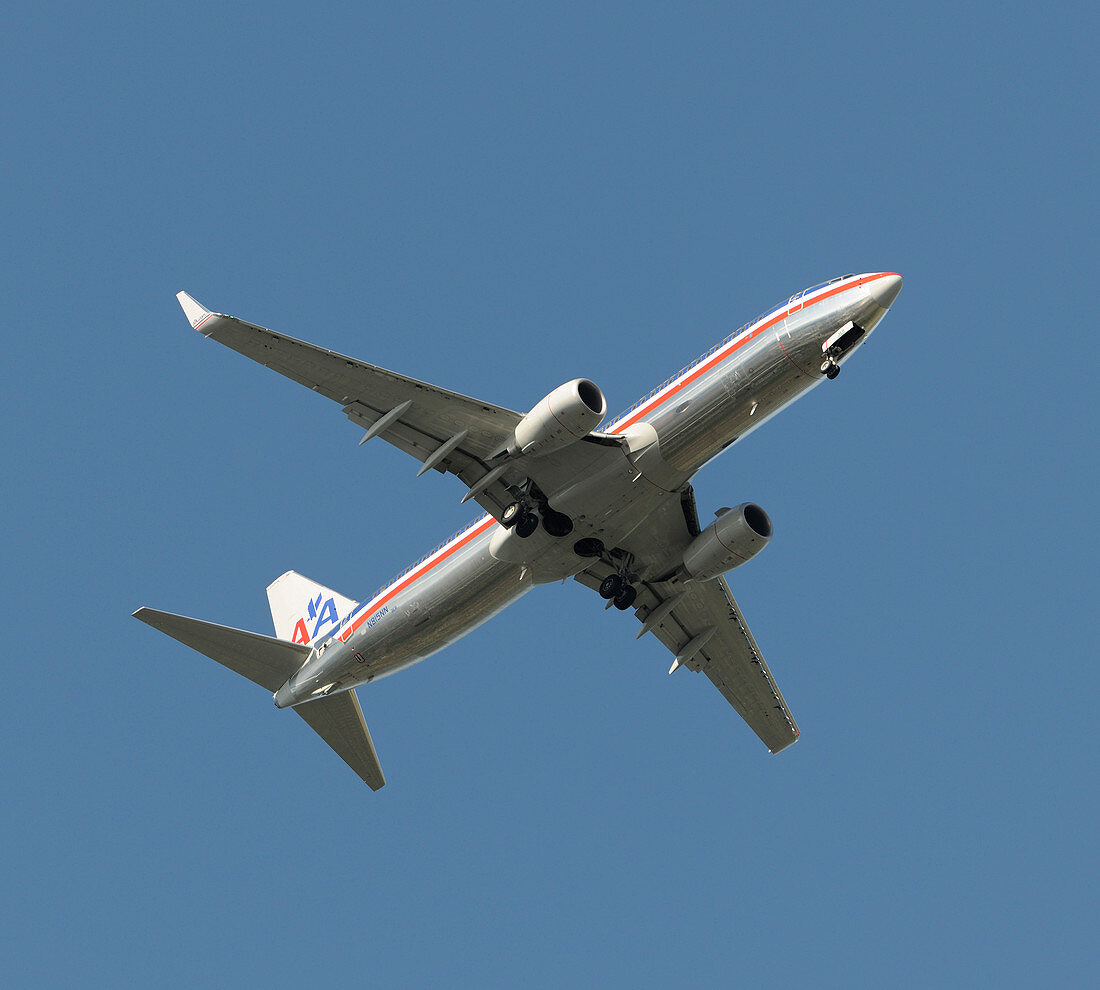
[566,493]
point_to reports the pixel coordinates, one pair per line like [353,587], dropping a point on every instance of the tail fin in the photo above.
[268,662]
[304,610]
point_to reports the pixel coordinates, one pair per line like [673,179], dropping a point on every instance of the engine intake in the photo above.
[566,415]
[735,536]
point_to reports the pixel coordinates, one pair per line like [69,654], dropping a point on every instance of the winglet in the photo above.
[197,314]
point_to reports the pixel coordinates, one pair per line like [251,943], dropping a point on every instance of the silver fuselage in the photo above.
[671,434]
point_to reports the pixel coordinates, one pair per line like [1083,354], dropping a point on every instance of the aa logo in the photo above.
[320,613]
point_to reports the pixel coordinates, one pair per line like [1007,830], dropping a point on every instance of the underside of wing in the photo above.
[701,624]
[729,657]
[444,430]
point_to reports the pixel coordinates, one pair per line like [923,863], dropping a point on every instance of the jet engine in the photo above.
[565,416]
[735,536]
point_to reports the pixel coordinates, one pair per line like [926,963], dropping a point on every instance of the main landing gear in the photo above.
[525,519]
[614,588]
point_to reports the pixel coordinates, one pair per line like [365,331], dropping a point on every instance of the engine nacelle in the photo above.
[735,536]
[566,415]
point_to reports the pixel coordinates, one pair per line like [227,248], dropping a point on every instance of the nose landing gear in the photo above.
[838,345]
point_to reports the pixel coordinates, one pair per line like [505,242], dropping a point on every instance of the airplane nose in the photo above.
[885,290]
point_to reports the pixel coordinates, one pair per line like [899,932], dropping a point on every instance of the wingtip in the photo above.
[197,314]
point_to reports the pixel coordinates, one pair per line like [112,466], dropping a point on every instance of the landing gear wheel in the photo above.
[511,515]
[611,587]
[556,523]
[625,598]
[588,546]
[528,523]
[834,370]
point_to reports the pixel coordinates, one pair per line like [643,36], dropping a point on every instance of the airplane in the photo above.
[610,505]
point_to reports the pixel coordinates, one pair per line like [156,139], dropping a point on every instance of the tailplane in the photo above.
[303,610]
[268,662]
[263,660]
[338,720]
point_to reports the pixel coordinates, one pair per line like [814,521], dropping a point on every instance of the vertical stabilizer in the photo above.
[303,610]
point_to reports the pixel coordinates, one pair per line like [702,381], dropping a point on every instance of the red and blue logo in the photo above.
[321,617]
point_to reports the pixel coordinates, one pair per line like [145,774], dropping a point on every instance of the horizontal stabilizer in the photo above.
[338,720]
[262,659]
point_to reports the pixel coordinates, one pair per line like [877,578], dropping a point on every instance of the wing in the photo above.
[444,430]
[700,622]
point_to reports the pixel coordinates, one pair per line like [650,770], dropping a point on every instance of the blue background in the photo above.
[498,198]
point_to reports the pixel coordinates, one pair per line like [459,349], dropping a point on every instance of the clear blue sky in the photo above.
[498,198]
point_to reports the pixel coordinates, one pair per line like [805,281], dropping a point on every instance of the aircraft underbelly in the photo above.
[438,609]
[492,572]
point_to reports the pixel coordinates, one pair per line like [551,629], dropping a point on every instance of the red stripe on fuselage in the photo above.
[488,521]
[478,529]
[734,345]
